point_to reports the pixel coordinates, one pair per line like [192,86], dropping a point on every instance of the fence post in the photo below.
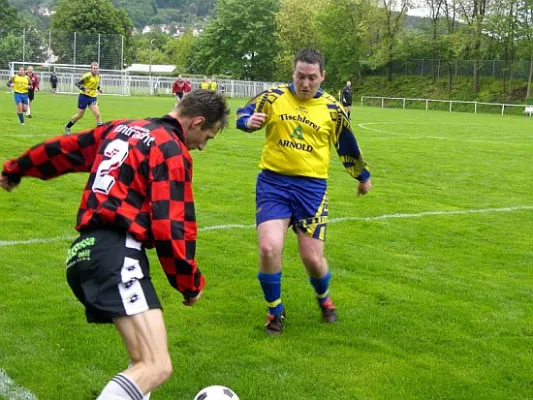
[427,104]
[451,103]
[403,104]
[99,35]
[383,102]
[23,44]
[503,108]
[362,97]
[74,49]
[475,107]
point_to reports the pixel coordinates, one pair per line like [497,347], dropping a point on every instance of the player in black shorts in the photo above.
[347,97]
[138,195]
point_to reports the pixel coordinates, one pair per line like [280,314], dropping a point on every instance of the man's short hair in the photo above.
[310,56]
[205,103]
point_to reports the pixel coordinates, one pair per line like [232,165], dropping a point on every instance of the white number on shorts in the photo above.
[115,153]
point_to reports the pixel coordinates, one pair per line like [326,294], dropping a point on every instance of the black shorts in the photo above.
[31,94]
[109,273]
[344,104]
[179,95]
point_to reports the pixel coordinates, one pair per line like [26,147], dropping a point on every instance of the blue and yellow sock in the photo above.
[21,117]
[271,285]
[321,286]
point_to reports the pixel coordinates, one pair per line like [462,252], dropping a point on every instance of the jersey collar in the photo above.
[175,126]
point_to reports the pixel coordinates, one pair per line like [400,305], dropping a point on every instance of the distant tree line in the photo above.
[250,39]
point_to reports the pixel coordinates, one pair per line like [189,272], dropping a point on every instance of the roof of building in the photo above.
[154,68]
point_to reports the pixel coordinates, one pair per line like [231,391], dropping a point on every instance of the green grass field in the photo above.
[432,271]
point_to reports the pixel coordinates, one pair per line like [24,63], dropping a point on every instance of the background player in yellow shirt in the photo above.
[89,86]
[302,123]
[21,85]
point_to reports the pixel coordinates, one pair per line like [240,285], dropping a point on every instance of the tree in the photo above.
[293,34]
[9,21]
[435,8]
[524,32]
[342,28]
[474,13]
[96,17]
[388,24]
[179,50]
[239,41]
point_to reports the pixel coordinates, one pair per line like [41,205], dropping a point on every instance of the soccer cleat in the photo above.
[274,324]
[28,115]
[329,312]
[67,130]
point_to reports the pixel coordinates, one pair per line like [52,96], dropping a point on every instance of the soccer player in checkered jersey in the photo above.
[302,124]
[138,195]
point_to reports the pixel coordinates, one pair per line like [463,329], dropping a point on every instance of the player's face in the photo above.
[197,138]
[307,79]
[21,71]
[94,69]
[30,70]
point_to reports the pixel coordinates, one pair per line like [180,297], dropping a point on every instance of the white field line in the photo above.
[10,391]
[5,243]
[367,126]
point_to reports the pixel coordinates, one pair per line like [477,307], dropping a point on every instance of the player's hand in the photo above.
[364,187]
[191,301]
[100,91]
[256,121]
[6,184]
[86,91]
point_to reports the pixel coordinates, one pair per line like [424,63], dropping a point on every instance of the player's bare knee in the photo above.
[162,370]
[268,251]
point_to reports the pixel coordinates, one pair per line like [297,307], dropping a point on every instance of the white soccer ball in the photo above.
[216,392]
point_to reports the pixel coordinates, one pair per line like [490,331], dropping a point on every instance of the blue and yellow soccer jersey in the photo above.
[91,83]
[20,83]
[299,134]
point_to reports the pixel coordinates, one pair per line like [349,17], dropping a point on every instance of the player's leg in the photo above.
[349,110]
[20,99]
[271,238]
[31,96]
[145,338]
[272,219]
[83,102]
[96,112]
[311,211]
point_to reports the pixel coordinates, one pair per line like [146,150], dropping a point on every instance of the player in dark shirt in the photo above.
[346,98]
[138,195]
[34,86]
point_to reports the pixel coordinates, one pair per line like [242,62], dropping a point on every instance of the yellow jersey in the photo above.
[205,85]
[300,133]
[90,82]
[20,83]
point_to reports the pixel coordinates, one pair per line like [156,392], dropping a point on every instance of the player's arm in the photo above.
[350,153]
[81,83]
[36,84]
[54,157]
[253,116]
[173,220]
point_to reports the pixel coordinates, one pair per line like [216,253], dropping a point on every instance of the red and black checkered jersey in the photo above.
[140,182]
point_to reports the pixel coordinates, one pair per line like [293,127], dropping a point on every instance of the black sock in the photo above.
[70,123]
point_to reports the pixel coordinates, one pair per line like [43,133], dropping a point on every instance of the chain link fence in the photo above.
[47,46]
